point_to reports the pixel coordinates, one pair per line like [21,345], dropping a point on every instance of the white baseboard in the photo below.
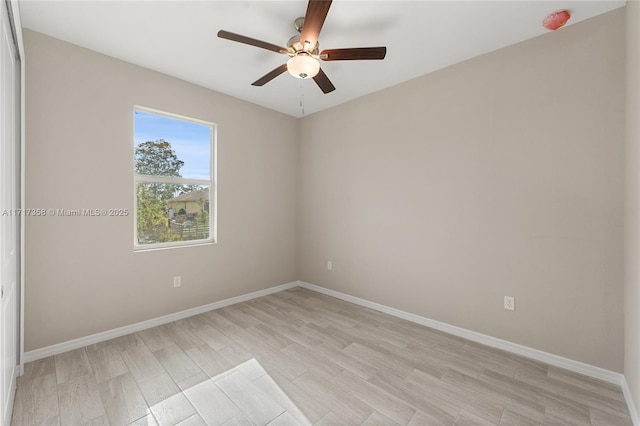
[128,329]
[551,359]
[633,412]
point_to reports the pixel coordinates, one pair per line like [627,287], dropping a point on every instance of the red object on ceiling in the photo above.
[556,20]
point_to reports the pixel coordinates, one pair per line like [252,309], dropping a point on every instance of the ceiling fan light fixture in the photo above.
[303,66]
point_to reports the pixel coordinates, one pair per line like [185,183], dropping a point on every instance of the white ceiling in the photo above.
[179,38]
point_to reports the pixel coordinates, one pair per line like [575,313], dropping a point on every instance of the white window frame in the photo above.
[211,183]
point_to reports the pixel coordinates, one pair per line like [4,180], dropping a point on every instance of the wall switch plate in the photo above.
[177,281]
[329,265]
[510,303]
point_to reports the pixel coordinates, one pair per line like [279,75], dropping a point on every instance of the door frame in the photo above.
[16,22]
[12,10]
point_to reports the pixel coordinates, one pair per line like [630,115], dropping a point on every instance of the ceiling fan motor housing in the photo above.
[294,45]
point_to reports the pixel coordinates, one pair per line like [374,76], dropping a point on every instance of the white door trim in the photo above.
[17,24]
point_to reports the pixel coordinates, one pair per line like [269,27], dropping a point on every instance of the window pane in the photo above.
[170,212]
[168,146]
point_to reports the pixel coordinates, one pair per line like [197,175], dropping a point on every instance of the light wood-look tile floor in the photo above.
[298,357]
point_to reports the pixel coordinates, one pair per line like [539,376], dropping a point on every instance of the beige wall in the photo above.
[632,210]
[82,276]
[502,175]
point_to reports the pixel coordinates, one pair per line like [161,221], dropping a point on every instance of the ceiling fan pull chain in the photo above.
[302,97]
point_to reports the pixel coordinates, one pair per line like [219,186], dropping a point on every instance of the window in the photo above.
[174,180]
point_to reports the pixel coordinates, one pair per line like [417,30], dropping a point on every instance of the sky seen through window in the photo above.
[190,141]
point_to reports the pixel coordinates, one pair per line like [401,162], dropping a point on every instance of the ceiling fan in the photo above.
[303,49]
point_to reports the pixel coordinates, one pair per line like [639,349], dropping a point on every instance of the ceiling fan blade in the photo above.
[270,76]
[250,41]
[323,82]
[313,20]
[356,53]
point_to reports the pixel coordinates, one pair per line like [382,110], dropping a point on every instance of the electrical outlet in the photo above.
[329,265]
[510,303]
[177,281]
